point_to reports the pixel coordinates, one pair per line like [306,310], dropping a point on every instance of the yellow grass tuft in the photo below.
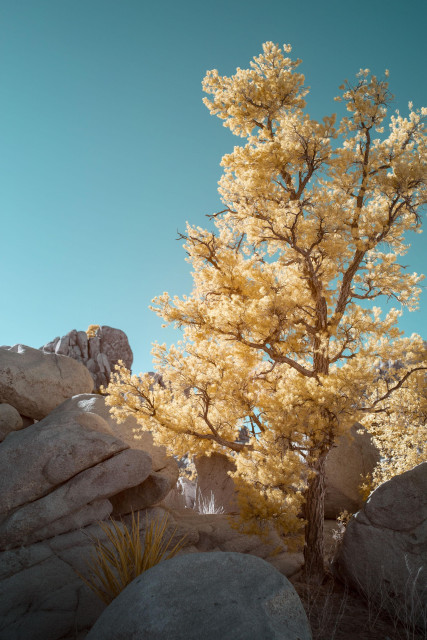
[113,566]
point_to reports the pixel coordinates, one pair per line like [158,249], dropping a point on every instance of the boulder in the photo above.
[61,470]
[41,595]
[108,477]
[50,452]
[99,353]
[35,382]
[384,548]
[10,420]
[214,484]
[115,345]
[215,595]
[346,466]
[164,473]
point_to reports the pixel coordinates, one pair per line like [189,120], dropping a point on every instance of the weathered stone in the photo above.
[165,471]
[215,531]
[86,515]
[10,420]
[103,364]
[217,595]
[76,354]
[41,596]
[99,354]
[34,575]
[50,452]
[91,365]
[51,346]
[94,347]
[83,344]
[346,466]
[125,469]
[35,382]
[115,345]
[212,480]
[384,548]
[63,346]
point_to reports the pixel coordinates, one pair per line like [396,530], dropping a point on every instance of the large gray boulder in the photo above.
[214,595]
[99,353]
[58,471]
[347,464]
[35,382]
[60,508]
[384,548]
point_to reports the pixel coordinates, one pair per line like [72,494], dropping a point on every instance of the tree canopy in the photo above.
[279,333]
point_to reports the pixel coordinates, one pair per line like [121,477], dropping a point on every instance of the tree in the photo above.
[277,335]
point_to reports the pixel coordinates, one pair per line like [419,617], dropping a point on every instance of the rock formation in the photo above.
[75,467]
[99,353]
[34,383]
[66,464]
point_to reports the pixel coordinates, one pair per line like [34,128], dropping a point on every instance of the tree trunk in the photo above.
[314,513]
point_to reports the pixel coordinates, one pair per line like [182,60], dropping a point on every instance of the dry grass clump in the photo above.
[113,566]
[207,506]
[337,611]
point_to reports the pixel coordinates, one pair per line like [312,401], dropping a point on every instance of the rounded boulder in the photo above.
[232,596]
[35,382]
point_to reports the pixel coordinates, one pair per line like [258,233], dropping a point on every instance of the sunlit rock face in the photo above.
[35,383]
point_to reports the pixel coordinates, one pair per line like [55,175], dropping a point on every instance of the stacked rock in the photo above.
[99,352]
[74,465]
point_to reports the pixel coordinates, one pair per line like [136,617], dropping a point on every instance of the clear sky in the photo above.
[106,148]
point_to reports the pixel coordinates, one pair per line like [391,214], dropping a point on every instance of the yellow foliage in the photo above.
[276,333]
[91,330]
[115,565]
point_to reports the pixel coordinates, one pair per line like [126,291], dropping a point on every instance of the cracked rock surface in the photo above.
[99,353]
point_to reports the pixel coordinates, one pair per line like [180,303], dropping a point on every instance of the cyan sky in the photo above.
[106,148]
